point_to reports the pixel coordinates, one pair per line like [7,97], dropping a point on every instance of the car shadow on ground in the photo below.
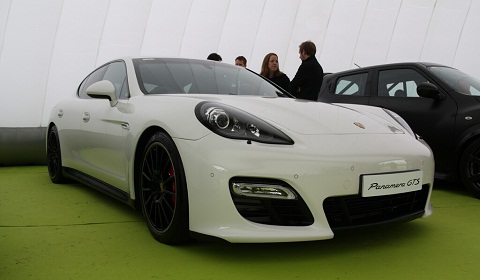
[453,187]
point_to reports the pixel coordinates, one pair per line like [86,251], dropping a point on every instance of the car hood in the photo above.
[313,118]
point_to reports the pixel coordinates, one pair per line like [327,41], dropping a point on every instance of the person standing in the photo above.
[241,61]
[271,70]
[308,79]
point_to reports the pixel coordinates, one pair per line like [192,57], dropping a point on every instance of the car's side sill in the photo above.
[98,185]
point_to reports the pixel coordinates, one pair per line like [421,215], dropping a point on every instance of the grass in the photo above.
[50,231]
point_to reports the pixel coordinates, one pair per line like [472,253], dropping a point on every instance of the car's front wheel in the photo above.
[470,167]
[54,157]
[162,190]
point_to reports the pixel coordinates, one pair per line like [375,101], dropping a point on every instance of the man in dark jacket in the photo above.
[308,80]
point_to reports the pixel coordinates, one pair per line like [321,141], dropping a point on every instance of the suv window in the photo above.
[458,80]
[114,72]
[352,85]
[399,83]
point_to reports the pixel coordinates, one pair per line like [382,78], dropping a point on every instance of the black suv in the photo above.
[440,103]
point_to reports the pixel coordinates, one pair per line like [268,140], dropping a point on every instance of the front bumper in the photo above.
[318,168]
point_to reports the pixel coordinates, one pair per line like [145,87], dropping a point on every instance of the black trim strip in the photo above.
[99,185]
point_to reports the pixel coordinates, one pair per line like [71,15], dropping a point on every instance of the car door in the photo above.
[103,149]
[432,119]
[350,88]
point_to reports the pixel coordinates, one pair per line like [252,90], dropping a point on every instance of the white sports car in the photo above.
[205,148]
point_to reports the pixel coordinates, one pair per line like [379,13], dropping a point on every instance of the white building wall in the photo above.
[48,46]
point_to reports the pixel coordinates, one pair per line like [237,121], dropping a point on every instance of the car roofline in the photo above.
[391,65]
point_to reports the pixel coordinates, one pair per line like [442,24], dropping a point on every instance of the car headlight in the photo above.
[401,122]
[234,123]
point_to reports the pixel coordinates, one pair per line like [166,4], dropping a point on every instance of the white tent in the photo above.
[48,46]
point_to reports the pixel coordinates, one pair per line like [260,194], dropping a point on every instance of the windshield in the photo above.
[458,80]
[187,76]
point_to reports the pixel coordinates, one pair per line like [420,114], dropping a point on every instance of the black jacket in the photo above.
[282,80]
[308,80]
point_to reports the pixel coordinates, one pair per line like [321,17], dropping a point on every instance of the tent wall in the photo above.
[48,46]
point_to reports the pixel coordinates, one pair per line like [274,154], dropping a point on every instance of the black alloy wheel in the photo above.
[54,157]
[162,190]
[470,168]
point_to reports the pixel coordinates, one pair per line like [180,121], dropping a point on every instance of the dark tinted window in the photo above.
[399,83]
[184,76]
[352,85]
[458,80]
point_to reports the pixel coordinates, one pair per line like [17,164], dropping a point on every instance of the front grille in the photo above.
[355,211]
[274,211]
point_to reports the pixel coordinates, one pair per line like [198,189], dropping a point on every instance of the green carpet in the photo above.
[50,231]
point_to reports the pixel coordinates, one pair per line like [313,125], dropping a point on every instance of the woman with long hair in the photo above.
[271,70]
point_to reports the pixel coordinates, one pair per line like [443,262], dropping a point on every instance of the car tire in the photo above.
[54,157]
[470,168]
[162,190]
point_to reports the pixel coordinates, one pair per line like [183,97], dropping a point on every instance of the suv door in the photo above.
[432,119]
[352,88]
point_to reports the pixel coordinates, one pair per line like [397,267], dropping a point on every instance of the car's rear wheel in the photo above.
[470,168]
[162,190]
[54,157]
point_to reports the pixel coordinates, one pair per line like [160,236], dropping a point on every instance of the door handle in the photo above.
[125,125]
[86,117]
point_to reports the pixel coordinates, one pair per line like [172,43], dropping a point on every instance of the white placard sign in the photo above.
[391,183]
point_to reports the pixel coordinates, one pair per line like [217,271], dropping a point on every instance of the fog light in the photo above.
[263,191]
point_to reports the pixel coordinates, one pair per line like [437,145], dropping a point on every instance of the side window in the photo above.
[114,72]
[352,85]
[468,86]
[117,74]
[94,77]
[399,83]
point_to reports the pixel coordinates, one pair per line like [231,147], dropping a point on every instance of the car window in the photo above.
[461,82]
[114,72]
[94,77]
[352,85]
[167,76]
[399,83]
[117,74]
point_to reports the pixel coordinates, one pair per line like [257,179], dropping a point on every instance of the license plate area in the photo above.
[391,183]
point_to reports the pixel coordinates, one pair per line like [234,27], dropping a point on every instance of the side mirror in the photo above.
[103,90]
[428,90]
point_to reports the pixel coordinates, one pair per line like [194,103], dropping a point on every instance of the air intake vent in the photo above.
[355,211]
[271,211]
